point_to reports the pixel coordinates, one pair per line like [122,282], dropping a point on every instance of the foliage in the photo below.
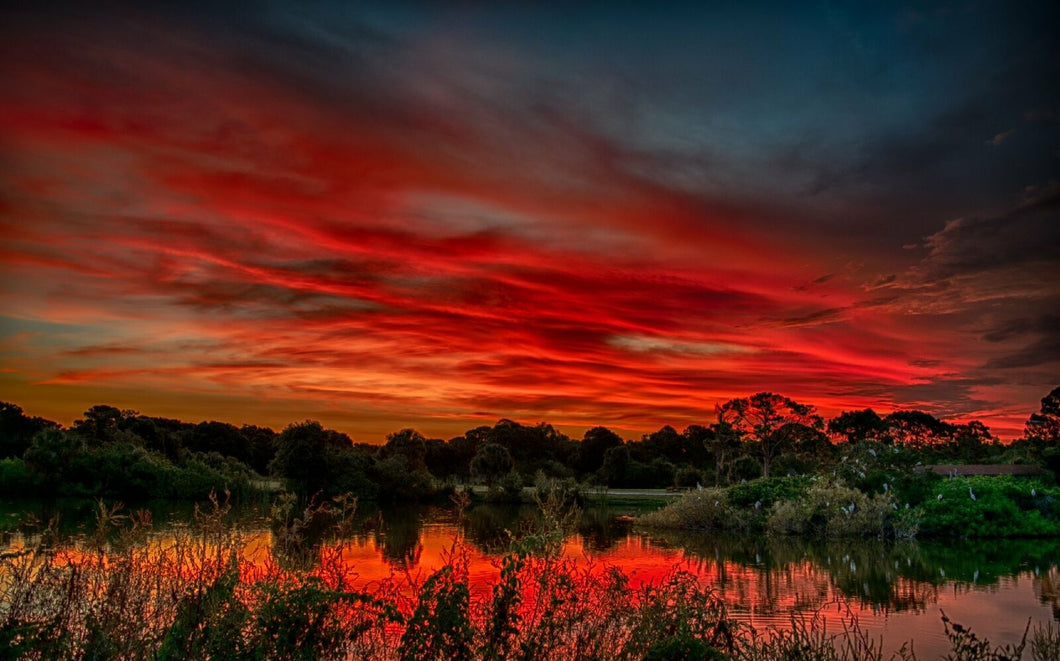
[707,509]
[121,453]
[774,422]
[687,477]
[508,488]
[16,478]
[762,493]
[1045,424]
[17,430]
[564,491]
[491,462]
[992,507]
[837,511]
[113,594]
[440,626]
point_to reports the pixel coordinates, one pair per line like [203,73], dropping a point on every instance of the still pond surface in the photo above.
[895,590]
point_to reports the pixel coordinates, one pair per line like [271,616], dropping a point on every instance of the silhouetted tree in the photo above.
[971,442]
[219,437]
[443,459]
[673,446]
[491,462]
[724,444]
[261,443]
[761,417]
[100,424]
[531,447]
[616,466]
[1045,424]
[409,444]
[809,447]
[595,442]
[305,454]
[49,456]
[854,426]
[17,429]
[917,429]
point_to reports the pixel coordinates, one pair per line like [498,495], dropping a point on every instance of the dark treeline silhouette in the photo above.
[114,452]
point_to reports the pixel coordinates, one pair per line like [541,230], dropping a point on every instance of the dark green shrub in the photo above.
[687,477]
[1002,507]
[16,478]
[766,491]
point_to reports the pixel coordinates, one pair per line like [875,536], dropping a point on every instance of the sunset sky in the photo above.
[438,216]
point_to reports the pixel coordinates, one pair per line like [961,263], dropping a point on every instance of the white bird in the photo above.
[699,487]
[758,504]
[872,452]
[894,506]
[886,487]
[940,497]
[1034,493]
[971,493]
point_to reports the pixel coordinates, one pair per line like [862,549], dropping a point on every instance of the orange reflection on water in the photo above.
[758,591]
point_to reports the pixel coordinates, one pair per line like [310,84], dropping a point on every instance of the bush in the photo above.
[1002,507]
[687,477]
[563,491]
[767,491]
[707,509]
[507,489]
[838,511]
[746,468]
[16,479]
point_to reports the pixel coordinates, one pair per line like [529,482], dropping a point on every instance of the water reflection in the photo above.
[883,575]
[763,580]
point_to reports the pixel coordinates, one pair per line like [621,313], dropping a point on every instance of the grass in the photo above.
[977,507]
[121,592]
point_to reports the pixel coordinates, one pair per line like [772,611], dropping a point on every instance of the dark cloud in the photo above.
[1041,353]
[1029,234]
[1047,324]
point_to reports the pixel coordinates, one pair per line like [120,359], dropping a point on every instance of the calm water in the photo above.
[895,590]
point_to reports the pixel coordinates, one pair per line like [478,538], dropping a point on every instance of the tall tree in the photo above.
[17,429]
[595,442]
[305,456]
[1045,424]
[724,445]
[854,426]
[491,462]
[409,444]
[917,429]
[762,417]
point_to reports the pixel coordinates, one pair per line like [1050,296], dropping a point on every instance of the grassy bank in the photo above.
[966,507]
[120,592]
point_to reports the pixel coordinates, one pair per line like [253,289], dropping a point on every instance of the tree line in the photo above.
[115,452]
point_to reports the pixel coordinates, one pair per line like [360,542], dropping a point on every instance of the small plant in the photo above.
[969,647]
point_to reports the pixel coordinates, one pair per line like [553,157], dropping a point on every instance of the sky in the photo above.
[437,215]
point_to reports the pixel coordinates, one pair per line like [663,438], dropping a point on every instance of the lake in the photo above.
[894,590]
